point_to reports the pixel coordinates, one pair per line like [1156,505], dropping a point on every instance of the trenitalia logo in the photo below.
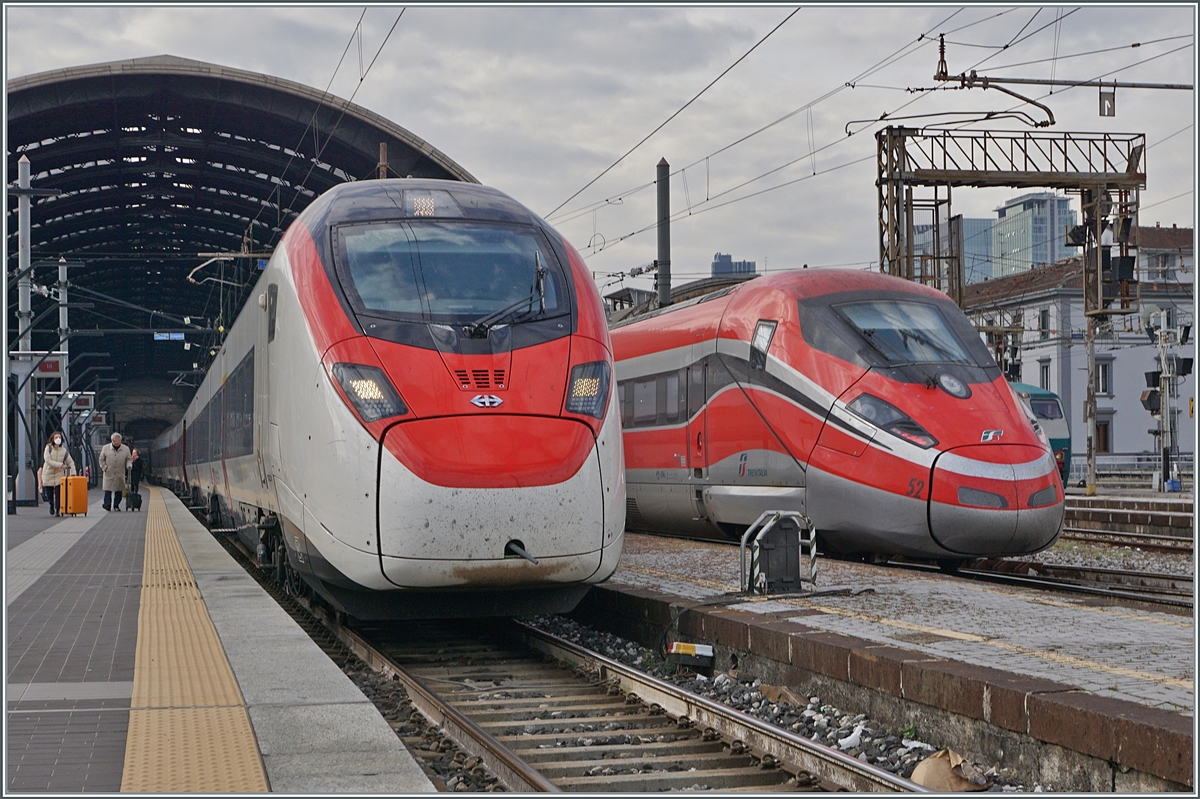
[991,435]
[486,401]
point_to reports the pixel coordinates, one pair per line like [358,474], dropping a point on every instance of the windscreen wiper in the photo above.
[869,335]
[480,327]
[928,342]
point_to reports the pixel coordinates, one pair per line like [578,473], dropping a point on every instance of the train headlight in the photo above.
[953,386]
[588,392]
[369,391]
[890,418]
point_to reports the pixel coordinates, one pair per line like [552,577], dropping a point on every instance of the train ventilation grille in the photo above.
[480,378]
[633,515]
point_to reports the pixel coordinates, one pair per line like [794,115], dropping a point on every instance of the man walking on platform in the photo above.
[114,462]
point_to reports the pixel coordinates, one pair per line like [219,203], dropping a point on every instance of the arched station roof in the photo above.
[159,159]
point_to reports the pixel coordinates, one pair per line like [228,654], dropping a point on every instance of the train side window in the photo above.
[272,305]
[695,388]
[764,331]
[645,402]
[625,394]
[671,397]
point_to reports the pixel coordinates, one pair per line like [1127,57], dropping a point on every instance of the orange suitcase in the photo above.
[73,496]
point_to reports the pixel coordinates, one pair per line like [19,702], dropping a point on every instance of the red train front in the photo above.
[866,401]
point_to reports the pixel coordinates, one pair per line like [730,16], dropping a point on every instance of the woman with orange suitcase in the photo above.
[56,464]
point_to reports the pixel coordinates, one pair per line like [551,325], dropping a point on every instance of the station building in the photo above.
[1034,322]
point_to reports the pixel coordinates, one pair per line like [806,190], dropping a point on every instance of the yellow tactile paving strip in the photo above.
[188,726]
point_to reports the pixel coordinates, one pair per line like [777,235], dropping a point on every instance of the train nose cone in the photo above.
[995,499]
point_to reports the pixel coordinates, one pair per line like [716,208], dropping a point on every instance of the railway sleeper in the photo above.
[597,725]
[712,778]
[639,765]
[592,754]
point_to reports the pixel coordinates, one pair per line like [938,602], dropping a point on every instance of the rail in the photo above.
[495,756]
[827,764]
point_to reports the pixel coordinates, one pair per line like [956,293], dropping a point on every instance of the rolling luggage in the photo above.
[133,501]
[73,496]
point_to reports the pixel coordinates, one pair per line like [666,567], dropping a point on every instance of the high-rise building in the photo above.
[977,246]
[725,265]
[1030,231]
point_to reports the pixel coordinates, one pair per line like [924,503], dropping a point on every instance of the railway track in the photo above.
[1147,541]
[543,714]
[546,715]
[1173,590]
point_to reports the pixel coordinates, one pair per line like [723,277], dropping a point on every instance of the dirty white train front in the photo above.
[414,415]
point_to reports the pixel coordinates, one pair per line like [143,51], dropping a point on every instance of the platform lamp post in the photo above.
[22,366]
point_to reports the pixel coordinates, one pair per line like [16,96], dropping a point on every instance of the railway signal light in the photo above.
[1152,400]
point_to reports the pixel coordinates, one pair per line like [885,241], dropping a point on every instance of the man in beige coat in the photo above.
[114,462]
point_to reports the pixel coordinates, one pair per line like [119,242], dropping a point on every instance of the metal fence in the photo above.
[1130,466]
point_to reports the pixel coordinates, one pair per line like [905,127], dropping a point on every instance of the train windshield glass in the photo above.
[906,332]
[1046,408]
[450,271]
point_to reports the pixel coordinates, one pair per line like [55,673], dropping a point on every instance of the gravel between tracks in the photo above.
[1106,556]
[898,751]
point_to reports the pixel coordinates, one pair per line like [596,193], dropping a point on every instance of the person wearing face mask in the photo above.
[114,463]
[56,464]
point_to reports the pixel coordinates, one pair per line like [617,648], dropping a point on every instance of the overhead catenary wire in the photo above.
[920,42]
[1132,46]
[311,120]
[694,211]
[677,113]
[345,107]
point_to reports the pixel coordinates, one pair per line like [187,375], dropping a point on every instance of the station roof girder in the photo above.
[159,159]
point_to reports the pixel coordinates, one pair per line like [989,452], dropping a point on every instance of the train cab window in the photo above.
[1046,408]
[764,331]
[904,332]
[645,402]
[450,272]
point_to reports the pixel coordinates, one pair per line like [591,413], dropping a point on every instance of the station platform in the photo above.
[1066,689]
[142,657]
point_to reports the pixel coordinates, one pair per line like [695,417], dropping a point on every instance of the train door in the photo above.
[271,452]
[697,430]
[261,380]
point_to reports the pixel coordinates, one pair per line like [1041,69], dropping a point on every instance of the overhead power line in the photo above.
[345,107]
[677,113]
[313,118]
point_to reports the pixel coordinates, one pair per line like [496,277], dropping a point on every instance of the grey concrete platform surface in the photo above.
[316,730]
[1010,671]
[73,595]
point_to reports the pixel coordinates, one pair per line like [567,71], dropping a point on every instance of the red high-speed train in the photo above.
[865,401]
[416,416]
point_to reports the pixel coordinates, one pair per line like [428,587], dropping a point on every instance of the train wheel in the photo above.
[951,565]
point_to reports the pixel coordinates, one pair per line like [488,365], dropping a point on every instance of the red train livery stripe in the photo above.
[327,320]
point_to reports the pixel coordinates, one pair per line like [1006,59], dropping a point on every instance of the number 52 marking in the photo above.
[915,487]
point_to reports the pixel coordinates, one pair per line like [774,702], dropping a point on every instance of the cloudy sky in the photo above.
[539,101]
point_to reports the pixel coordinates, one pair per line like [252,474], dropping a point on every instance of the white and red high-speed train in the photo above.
[415,414]
[865,401]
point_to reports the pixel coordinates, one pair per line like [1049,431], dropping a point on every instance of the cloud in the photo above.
[538,100]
